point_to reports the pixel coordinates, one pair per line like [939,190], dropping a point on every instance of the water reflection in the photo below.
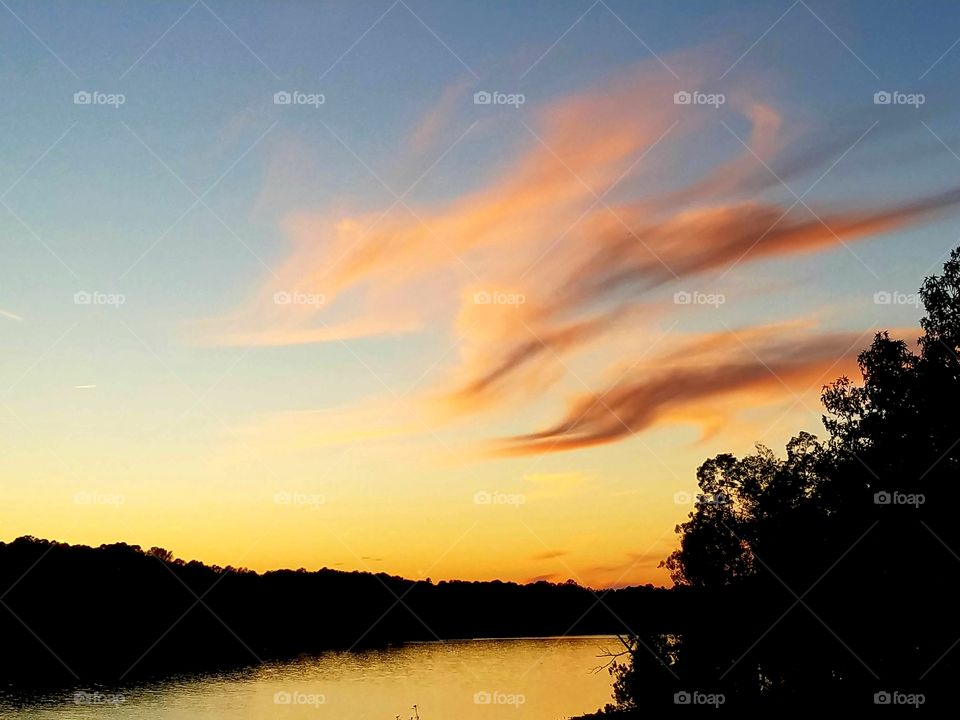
[535,678]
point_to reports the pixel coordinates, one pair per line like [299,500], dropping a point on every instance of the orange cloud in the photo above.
[498,231]
[551,554]
[726,235]
[771,366]
[543,230]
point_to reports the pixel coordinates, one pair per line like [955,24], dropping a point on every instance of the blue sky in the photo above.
[182,199]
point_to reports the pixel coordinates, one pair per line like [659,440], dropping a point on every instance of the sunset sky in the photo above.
[401,331]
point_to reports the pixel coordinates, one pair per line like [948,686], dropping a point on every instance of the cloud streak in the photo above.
[786,366]
[587,223]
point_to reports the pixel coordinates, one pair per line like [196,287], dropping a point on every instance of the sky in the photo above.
[447,290]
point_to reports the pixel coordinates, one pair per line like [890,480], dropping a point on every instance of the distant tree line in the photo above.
[75,614]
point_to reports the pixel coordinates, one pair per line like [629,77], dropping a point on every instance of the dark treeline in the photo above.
[118,613]
[831,577]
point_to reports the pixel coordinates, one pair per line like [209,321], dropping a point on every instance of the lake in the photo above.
[528,678]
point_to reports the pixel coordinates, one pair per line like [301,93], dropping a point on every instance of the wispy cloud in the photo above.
[719,366]
[571,264]
[551,554]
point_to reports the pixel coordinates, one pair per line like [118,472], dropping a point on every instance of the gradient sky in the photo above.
[363,425]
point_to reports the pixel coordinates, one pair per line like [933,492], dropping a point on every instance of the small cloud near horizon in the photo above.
[551,554]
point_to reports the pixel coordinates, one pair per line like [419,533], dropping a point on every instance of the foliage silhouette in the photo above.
[830,577]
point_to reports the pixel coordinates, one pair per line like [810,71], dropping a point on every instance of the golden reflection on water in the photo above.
[528,679]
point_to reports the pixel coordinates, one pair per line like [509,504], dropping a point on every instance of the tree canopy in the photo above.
[830,573]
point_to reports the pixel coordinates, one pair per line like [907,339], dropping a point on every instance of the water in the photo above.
[526,679]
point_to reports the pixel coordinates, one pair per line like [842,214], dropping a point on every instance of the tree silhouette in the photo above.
[117,613]
[830,575]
